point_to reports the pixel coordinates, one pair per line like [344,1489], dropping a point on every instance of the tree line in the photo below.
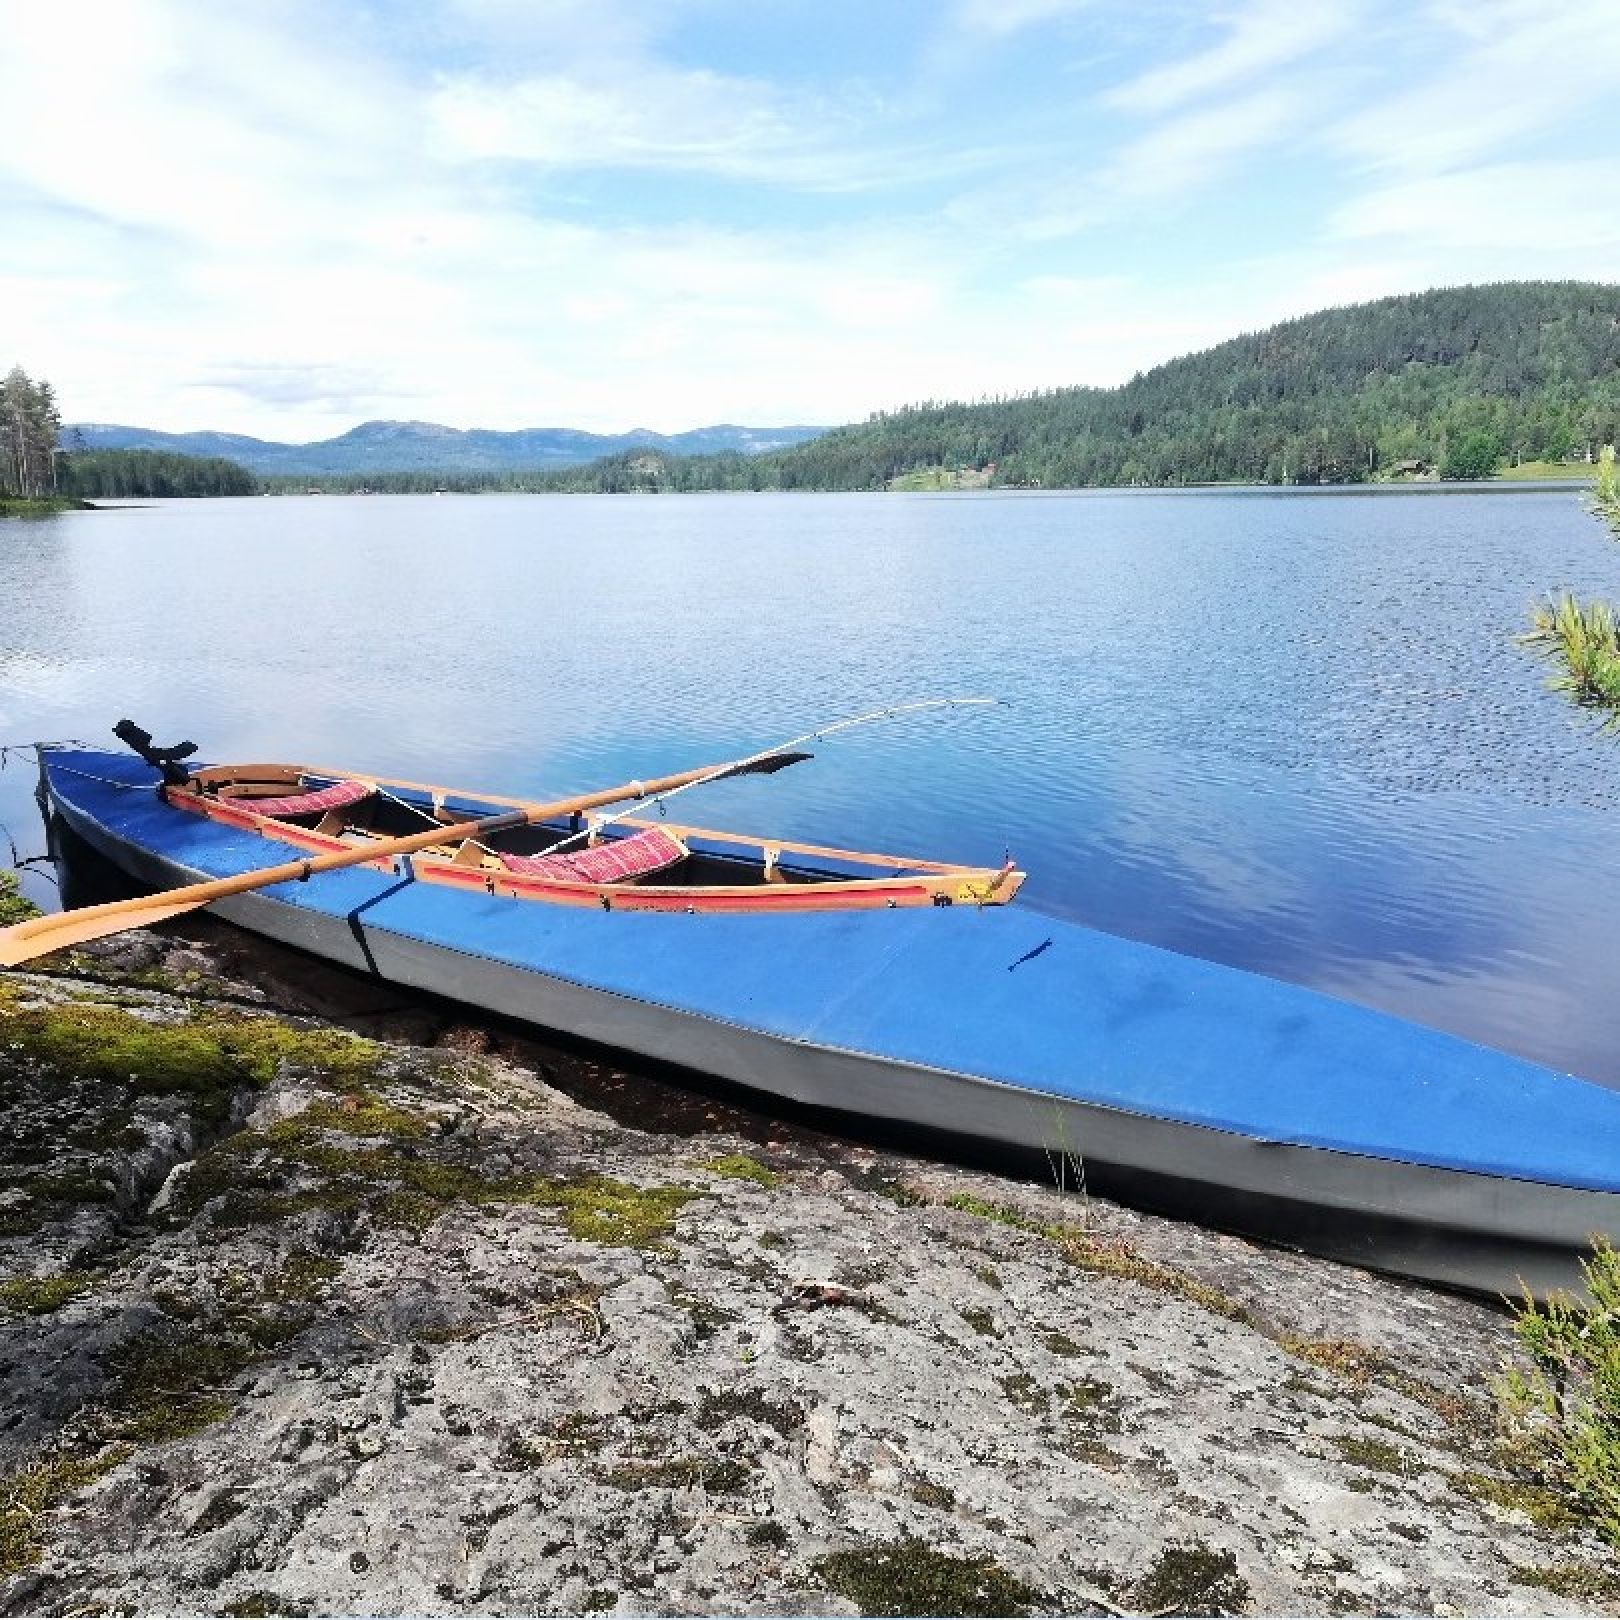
[151,474]
[29,427]
[1457,381]
[36,466]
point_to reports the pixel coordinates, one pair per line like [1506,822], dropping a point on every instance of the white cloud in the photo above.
[1538,212]
[1496,81]
[183,124]
[1000,17]
[1178,159]
[279,220]
[641,117]
[1266,35]
[296,383]
[1192,148]
[641,114]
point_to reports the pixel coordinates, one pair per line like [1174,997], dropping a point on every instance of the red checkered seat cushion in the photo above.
[615,861]
[307,804]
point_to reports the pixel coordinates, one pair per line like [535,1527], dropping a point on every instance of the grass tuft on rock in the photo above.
[908,1577]
[39,1296]
[1564,1414]
[1361,1366]
[1116,1259]
[30,1494]
[15,907]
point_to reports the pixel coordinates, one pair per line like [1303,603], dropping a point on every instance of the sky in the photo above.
[287,217]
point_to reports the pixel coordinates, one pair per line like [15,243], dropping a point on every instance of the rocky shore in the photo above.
[314,1300]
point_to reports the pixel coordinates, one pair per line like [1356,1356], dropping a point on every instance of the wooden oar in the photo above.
[40,935]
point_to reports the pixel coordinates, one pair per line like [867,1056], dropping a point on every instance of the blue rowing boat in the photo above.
[1181,1085]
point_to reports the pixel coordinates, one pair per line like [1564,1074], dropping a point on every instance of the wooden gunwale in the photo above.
[293,775]
[918,882]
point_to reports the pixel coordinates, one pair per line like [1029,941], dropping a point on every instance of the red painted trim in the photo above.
[850,894]
[629,897]
[221,810]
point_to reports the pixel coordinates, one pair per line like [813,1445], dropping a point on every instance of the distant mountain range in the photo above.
[378,447]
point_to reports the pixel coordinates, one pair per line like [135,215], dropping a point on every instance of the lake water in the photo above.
[1284,730]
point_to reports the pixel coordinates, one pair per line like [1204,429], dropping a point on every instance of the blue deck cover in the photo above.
[1004,992]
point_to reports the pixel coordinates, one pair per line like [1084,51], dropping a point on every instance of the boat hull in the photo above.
[1002,1027]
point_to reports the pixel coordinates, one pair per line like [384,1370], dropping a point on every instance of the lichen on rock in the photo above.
[355,1312]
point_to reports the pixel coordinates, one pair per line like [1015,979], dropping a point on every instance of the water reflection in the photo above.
[1287,733]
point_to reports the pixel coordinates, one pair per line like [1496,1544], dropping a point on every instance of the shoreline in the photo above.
[46,506]
[351,1303]
[1372,487]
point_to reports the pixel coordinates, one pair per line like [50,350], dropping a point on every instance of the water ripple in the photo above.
[1290,734]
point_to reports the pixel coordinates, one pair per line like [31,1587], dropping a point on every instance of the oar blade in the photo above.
[61,931]
[765,766]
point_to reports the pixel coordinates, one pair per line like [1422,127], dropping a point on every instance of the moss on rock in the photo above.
[1378,1456]
[208,1058]
[1543,1506]
[600,1209]
[740,1167]
[1580,1583]
[322,1158]
[909,1577]
[1191,1578]
[39,1296]
[719,1476]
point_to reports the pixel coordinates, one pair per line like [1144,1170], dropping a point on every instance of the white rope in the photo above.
[448,826]
[7,749]
[106,781]
[871,717]
[642,801]
[405,804]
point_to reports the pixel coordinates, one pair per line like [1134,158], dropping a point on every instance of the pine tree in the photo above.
[29,425]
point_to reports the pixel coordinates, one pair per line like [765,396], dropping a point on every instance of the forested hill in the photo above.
[1455,379]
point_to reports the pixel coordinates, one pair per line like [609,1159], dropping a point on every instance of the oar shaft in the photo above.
[45,933]
[24,941]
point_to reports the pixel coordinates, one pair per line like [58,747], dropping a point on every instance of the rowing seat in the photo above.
[620,860]
[336,797]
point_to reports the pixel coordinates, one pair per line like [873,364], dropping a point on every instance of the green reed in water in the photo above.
[1606,491]
[1584,641]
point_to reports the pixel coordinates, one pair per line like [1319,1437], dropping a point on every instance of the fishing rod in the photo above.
[849,723]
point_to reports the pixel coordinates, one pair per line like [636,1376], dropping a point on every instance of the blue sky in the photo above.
[605,215]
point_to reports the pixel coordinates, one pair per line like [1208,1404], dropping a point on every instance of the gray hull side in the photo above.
[1484,1233]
